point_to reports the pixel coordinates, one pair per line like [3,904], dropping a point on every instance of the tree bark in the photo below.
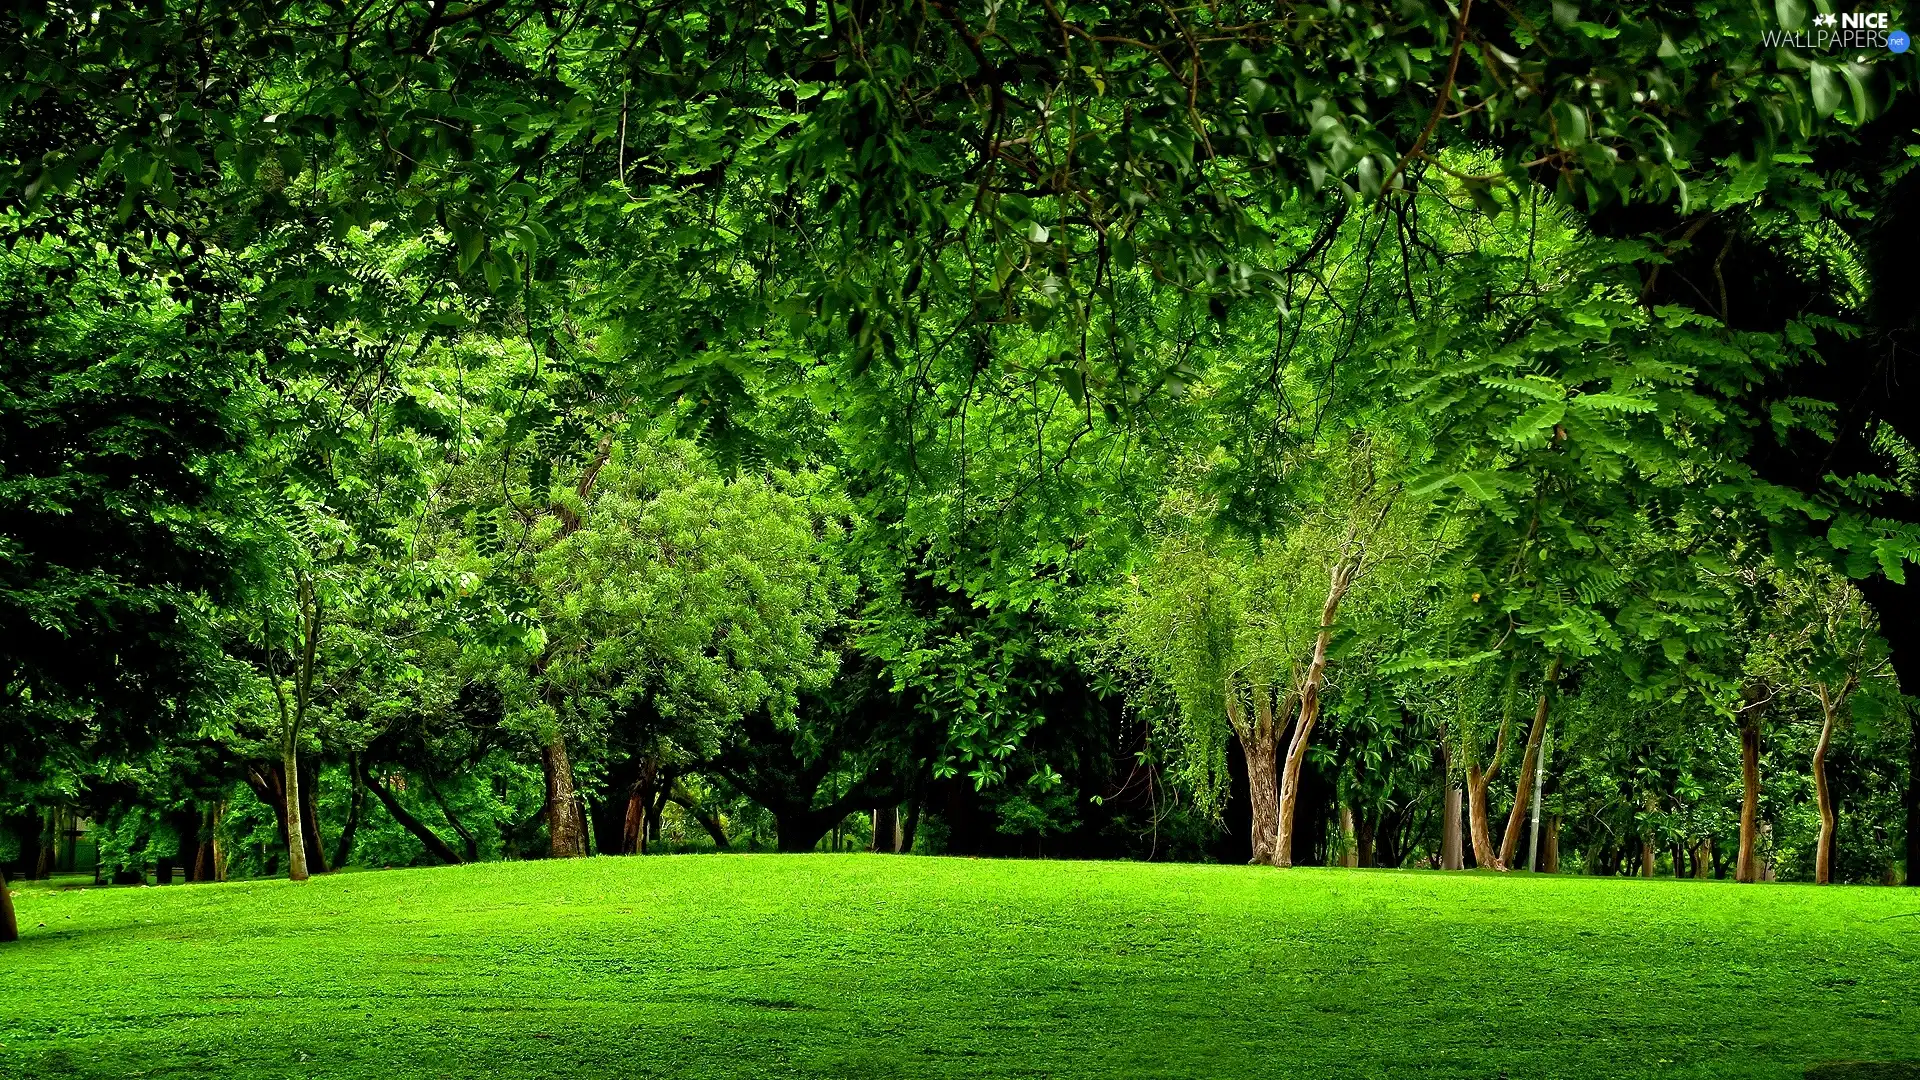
[1748,868]
[564,828]
[1349,839]
[1340,580]
[1702,859]
[296,833]
[467,839]
[1550,847]
[1829,816]
[1523,788]
[1260,745]
[9,925]
[429,839]
[1363,841]
[1451,857]
[310,825]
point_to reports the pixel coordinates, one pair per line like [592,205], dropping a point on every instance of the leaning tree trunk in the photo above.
[296,833]
[9,926]
[1341,581]
[565,831]
[429,839]
[1748,867]
[1523,789]
[1479,823]
[1829,817]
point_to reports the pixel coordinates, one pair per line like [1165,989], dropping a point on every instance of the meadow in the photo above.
[860,966]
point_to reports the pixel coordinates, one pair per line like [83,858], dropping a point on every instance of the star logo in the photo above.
[1827,19]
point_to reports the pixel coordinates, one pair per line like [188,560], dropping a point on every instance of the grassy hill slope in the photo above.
[862,967]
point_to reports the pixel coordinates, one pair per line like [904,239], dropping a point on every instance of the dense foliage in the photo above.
[1309,433]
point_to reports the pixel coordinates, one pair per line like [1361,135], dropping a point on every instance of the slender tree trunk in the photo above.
[1748,868]
[9,925]
[1829,817]
[564,828]
[296,834]
[1340,581]
[219,845]
[1451,857]
[1550,847]
[1529,766]
[467,839]
[1363,843]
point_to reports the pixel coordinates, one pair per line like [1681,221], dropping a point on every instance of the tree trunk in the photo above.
[707,821]
[310,825]
[296,834]
[1450,853]
[1748,868]
[1529,765]
[1829,817]
[9,925]
[1260,745]
[1550,847]
[218,845]
[357,796]
[1702,858]
[467,839]
[1349,839]
[886,830]
[1479,825]
[1340,581]
[1263,791]
[1363,846]
[565,831]
[429,839]
[913,826]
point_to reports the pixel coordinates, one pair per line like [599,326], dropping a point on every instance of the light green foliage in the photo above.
[688,599]
[836,967]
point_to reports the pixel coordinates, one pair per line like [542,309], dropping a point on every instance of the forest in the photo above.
[437,433]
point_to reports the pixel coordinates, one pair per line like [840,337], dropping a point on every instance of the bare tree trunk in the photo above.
[913,826]
[1363,846]
[1748,868]
[296,835]
[1479,824]
[1260,745]
[1829,817]
[219,846]
[1340,580]
[1550,847]
[1529,766]
[565,831]
[712,824]
[9,925]
[1702,859]
[1451,857]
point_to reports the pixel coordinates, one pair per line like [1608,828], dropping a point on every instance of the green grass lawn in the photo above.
[870,966]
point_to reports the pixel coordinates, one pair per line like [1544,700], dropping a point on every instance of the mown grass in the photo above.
[884,967]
